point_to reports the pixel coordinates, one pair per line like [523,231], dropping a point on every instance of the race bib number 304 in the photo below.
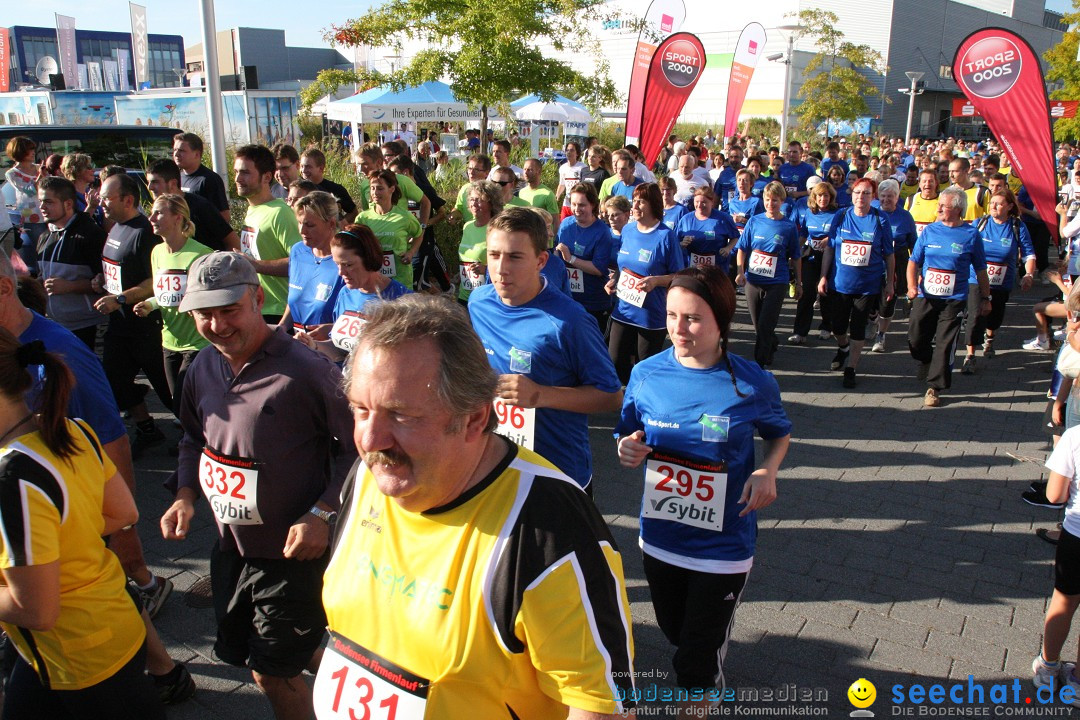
[577,280]
[355,683]
[685,491]
[231,485]
[517,424]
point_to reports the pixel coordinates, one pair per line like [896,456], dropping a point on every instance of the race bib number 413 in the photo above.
[355,683]
[169,287]
[685,491]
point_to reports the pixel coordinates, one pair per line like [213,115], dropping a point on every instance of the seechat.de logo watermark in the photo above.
[962,699]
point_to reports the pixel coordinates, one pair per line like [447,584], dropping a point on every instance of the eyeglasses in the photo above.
[504,183]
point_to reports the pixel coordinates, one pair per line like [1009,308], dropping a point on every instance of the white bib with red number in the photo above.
[855,253]
[702,260]
[169,287]
[346,330]
[627,290]
[389,265]
[354,683]
[471,277]
[685,491]
[517,424]
[111,270]
[996,273]
[763,263]
[919,227]
[231,485]
[939,283]
[577,280]
[248,246]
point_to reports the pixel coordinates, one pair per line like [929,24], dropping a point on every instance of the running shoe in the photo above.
[154,598]
[825,334]
[969,365]
[1068,679]
[1059,335]
[1037,343]
[879,343]
[839,360]
[1044,675]
[988,347]
[1050,536]
[1038,499]
[931,399]
[796,340]
[144,440]
[849,377]
[175,686]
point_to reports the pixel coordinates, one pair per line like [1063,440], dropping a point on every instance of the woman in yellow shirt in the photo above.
[63,596]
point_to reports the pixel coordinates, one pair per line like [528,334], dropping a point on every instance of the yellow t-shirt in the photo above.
[50,510]
[978,202]
[507,602]
[923,211]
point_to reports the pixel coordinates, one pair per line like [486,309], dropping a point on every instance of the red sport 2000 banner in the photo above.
[674,71]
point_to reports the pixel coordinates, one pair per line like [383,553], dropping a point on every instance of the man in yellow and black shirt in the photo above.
[978,196]
[923,205]
[469,576]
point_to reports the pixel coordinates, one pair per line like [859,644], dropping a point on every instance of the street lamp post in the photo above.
[792,31]
[914,77]
[213,89]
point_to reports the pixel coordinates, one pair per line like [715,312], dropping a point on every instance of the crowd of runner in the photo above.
[397,456]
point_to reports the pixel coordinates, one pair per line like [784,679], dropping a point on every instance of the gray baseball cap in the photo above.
[217,280]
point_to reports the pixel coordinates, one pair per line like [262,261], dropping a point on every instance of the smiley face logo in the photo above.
[862,693]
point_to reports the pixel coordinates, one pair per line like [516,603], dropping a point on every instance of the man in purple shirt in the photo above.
[268,442]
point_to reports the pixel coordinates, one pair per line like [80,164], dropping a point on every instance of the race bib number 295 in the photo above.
[685,491]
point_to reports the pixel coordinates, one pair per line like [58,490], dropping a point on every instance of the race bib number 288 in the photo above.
[354,683]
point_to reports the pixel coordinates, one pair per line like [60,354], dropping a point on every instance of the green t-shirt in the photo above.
[462,203]
[472,250]
[270,230]
[605,187]
[541,197]
[393,231]
[516,202]
[169,270]
[409,191]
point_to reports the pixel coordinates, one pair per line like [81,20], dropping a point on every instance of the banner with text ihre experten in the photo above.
[662,18]
[1002,78]
[675,69]
[748,51]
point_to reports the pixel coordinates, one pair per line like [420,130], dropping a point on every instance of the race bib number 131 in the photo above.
[355,683]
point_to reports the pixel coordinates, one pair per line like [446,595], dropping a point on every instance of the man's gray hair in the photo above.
[466,379]
[960,201]
[7,270]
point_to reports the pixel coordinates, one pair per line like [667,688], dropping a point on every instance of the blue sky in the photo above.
[303,27]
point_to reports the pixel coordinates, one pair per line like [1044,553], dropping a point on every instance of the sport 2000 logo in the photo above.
[681,63]
[990,67]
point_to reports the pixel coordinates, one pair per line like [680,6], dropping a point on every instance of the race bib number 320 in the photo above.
[685,491]
[355,683]
[231,485]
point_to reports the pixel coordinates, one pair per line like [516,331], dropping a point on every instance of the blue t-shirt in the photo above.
[814,227]
[314,284]
[827,163]
[945,256]
[91,398]
[709,236]
[767,246]
[1002,242]
[794,177]
[354,300]
[843,196]
[641,254]
[555,272]
[748,208]
[627,191]
[673,215]
[903,229]
[759,186]
[860,246]
[592,244]
[553,341]
[696,414]
[726,188]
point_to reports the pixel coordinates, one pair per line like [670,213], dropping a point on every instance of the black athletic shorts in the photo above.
[853,311]
[1067,564]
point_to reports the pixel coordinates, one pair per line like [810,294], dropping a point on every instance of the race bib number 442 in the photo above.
[355,683]
[685,491]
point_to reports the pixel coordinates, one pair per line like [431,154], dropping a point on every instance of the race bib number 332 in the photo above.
[685,491]
[231,485]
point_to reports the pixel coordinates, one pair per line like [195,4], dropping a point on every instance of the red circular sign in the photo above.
[990,67]
[681,62]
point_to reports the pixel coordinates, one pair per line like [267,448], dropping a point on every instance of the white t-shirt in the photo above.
[1065,460]
[684,189]
[569,176]
[643,173]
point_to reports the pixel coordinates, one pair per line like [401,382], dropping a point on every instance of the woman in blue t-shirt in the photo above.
[673,211]
[313,279]
[904,234]
[814,222]
[690,414]
[584,244]
[707,235]
[647,256]
[838,179]
[768,244]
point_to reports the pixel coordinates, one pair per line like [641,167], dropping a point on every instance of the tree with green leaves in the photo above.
[834,88]
[488,50]
[1063,71]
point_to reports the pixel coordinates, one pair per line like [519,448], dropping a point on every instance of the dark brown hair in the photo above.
[712,285]
[16,380]
[651,194]
[390,178]
[361,240]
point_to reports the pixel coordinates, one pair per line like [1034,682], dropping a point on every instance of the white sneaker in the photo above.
[1068,678]
[796,340]
[1037,343]
[879,343]
[1043,674]
[825,334]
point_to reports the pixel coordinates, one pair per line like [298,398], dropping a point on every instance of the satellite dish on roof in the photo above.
[45,67]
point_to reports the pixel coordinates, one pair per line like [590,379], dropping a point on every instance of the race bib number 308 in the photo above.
[685,491]
[355,683]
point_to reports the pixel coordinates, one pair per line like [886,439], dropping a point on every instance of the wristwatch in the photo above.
[121,299]
[327,516]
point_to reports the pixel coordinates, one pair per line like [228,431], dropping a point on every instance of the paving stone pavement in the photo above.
[898,549]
